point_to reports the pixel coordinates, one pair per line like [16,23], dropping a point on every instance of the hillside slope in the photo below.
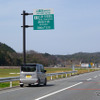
[4,47]
[8,56]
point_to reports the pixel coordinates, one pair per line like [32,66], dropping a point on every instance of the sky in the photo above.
[76,22]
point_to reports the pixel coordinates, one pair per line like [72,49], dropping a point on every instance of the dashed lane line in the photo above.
[89,79]
[95,76]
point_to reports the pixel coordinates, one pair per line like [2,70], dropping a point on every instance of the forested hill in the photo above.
[83,57]
[4,47]
[9,57]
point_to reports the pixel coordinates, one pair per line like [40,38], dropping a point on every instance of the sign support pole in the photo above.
[48,20]
[24,39]
[24,34]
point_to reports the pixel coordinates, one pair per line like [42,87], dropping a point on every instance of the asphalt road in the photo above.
[79,87]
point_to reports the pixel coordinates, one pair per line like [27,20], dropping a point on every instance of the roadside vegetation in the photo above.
[9,72]
[9,57]
[15,72]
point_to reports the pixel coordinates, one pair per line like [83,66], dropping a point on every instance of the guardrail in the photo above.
[61,73]
[11,79]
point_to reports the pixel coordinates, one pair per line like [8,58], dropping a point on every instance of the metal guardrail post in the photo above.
[51,77]
[10,83]
[56,76]
[66,75]
[62,76]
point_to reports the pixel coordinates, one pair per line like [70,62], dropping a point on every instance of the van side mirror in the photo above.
[43,71]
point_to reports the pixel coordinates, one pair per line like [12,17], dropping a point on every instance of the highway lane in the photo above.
[80,87]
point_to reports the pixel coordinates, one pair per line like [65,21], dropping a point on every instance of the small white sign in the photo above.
[43,11]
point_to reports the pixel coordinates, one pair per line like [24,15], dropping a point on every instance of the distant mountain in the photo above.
[85,57]
[9,57]
[48,59]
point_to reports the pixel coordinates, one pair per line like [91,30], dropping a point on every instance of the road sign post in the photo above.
[24,38]
[24,34]
[43,19]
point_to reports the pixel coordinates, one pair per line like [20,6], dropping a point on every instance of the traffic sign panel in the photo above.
[43,19]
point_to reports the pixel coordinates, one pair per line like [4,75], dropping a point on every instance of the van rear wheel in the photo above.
[38,83]
[45,83]
[21,85]
[29,85]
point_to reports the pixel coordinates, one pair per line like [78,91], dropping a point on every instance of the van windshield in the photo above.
[28,68]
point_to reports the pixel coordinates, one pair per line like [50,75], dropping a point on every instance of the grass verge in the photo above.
[6,73]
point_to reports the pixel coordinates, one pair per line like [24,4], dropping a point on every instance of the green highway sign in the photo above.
[43,19]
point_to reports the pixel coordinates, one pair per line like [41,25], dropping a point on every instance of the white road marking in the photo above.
[75,76]
[89,79]
[57,91]
[11,90]
[95,76]
[11,73]
[14,73]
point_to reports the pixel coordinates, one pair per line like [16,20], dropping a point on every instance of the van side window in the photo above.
[42,68]
[38,68]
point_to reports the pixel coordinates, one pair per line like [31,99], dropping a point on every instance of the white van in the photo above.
[32,74]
